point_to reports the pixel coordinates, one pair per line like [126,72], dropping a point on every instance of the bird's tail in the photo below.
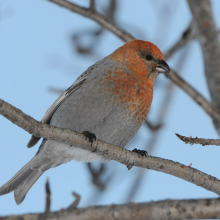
[22,181]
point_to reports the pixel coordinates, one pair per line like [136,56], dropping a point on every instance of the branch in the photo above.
[196,96]
[96,176]
[186,37]
[109,151]
[96,16]
[48,200]
[92,6]
[96,33]
[167,209]
[202,141]
[76,202]
[207,35]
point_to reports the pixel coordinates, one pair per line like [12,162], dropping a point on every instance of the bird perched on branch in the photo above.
[110,99]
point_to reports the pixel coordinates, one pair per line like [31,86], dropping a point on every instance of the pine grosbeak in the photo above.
[110,99]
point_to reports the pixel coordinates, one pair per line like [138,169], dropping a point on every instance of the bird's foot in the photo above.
[91,137]
[141,152]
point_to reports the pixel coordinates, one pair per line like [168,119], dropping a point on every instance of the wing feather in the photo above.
[49,113]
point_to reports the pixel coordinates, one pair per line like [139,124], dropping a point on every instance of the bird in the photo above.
[109,101]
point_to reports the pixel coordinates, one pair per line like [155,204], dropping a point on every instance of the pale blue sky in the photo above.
[36,52]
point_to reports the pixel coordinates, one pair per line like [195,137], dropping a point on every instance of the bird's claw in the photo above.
[91,136]
[141,152]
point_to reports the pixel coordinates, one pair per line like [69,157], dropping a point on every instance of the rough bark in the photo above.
[109,151]
[167,209]
[207,35]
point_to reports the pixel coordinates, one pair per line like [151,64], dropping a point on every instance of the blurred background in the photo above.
[44,48]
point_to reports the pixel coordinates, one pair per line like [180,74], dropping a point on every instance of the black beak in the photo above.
[162,67]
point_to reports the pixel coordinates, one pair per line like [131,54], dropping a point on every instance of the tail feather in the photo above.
[21,191]
[22,181]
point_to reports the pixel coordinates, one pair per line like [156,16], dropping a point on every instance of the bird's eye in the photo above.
[149,57]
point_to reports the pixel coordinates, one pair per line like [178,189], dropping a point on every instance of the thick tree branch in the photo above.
[207,35]
[96,16]
[202,141]
[109,151]
[167,209]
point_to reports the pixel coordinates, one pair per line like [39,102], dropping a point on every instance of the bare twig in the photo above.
[167,209]
[48,200]
[95,33]
[196,96]
[109,151]
[202,141]
[75,203]
[153,127]
[92,6]
[110,12]
[96,16]
[55,90]
[186,37]
[96,174]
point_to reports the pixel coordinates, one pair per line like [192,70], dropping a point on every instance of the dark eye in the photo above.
[149,57]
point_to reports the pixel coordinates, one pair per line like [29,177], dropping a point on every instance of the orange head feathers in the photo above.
[142,57]
[139,62]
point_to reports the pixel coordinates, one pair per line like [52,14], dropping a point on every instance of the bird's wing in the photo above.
[49,113]
[76,85]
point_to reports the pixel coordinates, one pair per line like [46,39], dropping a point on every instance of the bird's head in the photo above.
[141,57]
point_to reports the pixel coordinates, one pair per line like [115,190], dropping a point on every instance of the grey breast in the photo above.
[91,109]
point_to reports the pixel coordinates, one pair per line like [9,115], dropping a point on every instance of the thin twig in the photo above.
[153,127]
[75,203]
[186,37]
[108,151]
[55,90]
[92,6]
[96,175]
[96,16]
[196,96]
[48,200]
[202,141]
[166,209]
[95,34]
[110,12]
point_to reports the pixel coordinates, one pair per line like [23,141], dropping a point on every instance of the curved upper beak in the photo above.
[162,67]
